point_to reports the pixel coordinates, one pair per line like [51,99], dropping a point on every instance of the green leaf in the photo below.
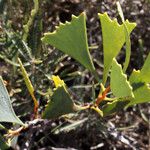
[60,104]
[141,90]
[127,38]
[71,38]
[26,78]
[7,113]
[118,81]
[120,11]
[140,82]
[113,39]
[145,71]
[71,126]
[3,144]
[2,127]
[114,106]
[128,48]
[29,87]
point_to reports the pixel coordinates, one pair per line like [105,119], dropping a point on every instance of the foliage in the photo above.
[119,78]
[112,33]
[6,111]
[114,36]
[60,97]
[71,39]
[140,82]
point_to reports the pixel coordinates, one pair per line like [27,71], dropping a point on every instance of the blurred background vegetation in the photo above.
[22,24]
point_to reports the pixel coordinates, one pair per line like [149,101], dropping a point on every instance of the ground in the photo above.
[127,129]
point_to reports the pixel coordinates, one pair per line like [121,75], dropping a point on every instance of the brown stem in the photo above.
[36,105]
[102,96]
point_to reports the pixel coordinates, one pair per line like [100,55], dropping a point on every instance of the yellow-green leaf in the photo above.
[140,82]
[115,106]
[29,86]
[141,90]
[26,78]
[127,38]
[113,39]
[118,81]
[145,71]
[71,38]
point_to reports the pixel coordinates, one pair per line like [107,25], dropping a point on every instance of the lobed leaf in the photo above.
[60,104]
[118,81]
[71,38]
[113,39]
[7,113]
[140,82]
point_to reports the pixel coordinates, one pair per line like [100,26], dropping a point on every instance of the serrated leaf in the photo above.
[113,39]
[140,82]
[142,94]
[71,38]
[60,104]
[118,81]
[7,113]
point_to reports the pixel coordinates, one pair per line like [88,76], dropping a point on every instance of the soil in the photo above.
[126,130]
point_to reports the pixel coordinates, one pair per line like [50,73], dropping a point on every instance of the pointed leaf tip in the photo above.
[60,104]
[71,38]
[113,40]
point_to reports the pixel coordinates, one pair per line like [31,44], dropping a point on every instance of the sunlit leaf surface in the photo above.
[71,38]
[140,82]
[118,81]
[113,39]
